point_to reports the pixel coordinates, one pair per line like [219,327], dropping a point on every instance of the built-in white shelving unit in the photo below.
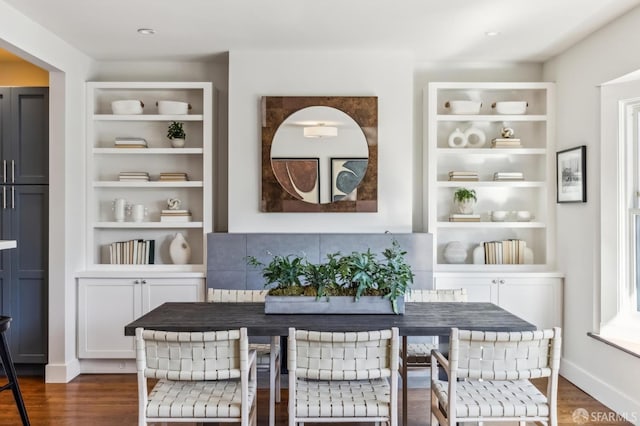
[535,159]
[105,162]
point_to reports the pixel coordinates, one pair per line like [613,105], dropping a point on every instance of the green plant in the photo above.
[356,274]
[176,131]
[463,194]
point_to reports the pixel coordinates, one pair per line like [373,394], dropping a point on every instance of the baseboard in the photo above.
[61,373]
[107,366]
[622,404]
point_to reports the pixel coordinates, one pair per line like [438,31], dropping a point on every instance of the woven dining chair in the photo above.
[416,351]
[268,354]
[202,377]
[343,377]
[488,377]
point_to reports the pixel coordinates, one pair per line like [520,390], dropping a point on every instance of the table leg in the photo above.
[405,403]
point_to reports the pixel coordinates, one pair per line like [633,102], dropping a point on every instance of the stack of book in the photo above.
[459,217]
[126,142]
[132,252]
[175,216]
[506,252]
[173,177]
[505,143]
[463,176]
[508,176]
[133,177]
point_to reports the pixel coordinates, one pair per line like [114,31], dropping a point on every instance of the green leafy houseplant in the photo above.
[176,131]
[463,194]
[356,274]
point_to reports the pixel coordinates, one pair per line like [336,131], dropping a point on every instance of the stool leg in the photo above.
[10,371]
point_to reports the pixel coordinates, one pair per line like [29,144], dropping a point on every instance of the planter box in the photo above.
[332,305]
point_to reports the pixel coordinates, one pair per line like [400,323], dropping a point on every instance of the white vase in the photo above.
[464,207]
[179,250]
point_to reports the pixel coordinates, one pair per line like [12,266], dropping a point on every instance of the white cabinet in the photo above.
[534,298]
[106,162]
[535,159]
[106,305]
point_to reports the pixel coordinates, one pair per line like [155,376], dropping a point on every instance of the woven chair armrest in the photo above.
[438,358]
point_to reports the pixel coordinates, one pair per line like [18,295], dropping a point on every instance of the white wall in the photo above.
[387,75]
[608,374]
[68,68]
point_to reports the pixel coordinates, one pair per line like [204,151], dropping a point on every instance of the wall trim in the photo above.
[600,390]
[107,366]
[61,373]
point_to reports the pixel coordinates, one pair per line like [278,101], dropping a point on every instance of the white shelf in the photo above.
[498,118]
[490,225]
[150,184]
[113,271]
[105,162]
[147,117]
[491,151]
[146,225]
[536,160]
[147,151]
[491,184]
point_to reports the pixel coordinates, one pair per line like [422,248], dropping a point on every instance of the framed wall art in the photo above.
[571,175]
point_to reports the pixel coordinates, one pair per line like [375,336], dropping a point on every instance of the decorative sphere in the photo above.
[454,252]
[507,132]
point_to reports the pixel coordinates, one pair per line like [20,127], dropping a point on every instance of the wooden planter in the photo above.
[331,305]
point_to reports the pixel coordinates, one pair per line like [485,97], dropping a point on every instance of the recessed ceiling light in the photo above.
[146,31]
[492,33]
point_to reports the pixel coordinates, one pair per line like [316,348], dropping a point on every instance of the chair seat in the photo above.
[263,351]
[504,398]
[209,399]
[420,353]
[343,398]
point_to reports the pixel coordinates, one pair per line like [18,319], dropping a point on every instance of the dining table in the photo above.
[419,319]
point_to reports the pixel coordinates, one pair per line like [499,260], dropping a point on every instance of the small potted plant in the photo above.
[176,134]
[464,200]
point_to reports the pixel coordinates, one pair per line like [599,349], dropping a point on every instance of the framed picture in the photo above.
[346,175]
[300,177]
[571,172]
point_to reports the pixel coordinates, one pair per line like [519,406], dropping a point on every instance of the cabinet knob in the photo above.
[494,281]
[136,281]
[144,281]
[501,281]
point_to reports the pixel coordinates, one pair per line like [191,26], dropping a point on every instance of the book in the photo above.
[181,218]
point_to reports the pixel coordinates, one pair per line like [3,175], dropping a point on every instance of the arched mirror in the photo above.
[319,154]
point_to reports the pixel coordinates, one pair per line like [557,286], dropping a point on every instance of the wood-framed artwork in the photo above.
[326,127]
[571,175]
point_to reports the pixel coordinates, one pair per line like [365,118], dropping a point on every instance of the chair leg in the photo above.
[10,371]
[404,374]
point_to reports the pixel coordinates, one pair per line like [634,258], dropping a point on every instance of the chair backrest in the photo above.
[504,355]
[235,296]
[443,295]
[343,356]
[213,355]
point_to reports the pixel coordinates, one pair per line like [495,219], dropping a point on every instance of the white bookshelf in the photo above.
[105,162]
[536,159]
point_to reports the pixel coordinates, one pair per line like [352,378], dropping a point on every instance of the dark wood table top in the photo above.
[420,319]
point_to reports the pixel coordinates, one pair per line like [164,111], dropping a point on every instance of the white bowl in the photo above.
[127,107]
[523,216]
[498,215]
[172,107]
[464,107]
[510,107]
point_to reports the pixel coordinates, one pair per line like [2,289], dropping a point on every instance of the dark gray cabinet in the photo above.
[24,217]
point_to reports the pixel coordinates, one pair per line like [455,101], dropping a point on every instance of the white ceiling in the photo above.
[434,30]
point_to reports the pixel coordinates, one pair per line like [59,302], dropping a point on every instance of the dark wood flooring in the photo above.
[105,400]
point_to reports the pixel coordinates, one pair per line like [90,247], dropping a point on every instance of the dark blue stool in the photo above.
[10,371]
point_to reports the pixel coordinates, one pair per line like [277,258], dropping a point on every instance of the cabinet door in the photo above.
[536,300]
[105,306]
[28,220]
[28,159]
[478,289]
[158,291]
